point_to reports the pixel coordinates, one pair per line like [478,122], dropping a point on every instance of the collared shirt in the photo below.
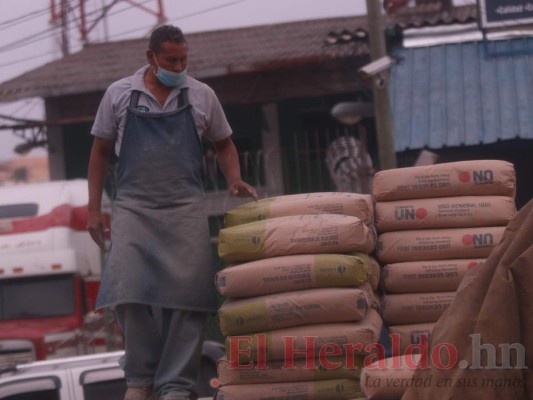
[211,122]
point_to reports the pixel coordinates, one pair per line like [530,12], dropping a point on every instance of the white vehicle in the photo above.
[91,377]
[49,274]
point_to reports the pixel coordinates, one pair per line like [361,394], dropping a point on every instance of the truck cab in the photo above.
[49,274]
[91,377]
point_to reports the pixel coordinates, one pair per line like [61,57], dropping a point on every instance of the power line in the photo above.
[23,18]
[209,10]
[50,32]
[24,59]
[194,14]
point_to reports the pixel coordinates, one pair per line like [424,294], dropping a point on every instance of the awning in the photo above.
[462,94]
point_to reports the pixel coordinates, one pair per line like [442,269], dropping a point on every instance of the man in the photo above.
[159,273]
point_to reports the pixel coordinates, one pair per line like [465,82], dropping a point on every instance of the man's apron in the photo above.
[160,250]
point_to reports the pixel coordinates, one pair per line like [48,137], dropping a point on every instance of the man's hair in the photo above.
[165,33]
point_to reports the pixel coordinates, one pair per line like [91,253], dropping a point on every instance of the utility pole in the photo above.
[64,29]
[380,87]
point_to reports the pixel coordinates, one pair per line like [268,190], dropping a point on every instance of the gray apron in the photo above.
[160,251]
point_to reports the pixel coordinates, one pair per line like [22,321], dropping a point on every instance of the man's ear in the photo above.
[150,55]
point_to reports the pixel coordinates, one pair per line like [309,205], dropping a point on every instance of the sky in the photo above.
[28,40]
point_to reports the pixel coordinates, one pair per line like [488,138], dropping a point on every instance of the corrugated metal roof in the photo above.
[211,54]
[454,95]
[431,14]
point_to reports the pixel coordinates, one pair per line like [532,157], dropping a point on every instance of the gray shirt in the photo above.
[211,122]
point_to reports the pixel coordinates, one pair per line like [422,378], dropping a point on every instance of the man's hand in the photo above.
[242,189]
[97,227]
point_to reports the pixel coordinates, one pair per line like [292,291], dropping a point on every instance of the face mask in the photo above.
[169,78]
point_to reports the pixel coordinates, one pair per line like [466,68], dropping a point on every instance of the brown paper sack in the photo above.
[336,389]
[298,272]
[305,341]
[437,244]
[334,367]
[302,307]
[489,326]
[354,204]
[463,178]
[410,334]
[388,379]
[376,273]
[300,234]
[444,212]
[426,276]
[413,308]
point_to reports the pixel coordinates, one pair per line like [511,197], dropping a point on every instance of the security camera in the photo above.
[376,67]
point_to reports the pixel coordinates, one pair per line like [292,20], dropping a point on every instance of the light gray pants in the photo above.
[163,347]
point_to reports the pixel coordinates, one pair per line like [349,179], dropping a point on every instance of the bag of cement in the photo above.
[335,389]
[302,307]
[288,273]
[444,212]
[437,244]
[376,273]
[403,336]
[464,178]
[414,308]
[299,234]
[426,276]
[388,379]
[316,369]
[488,327]
[354,204]
[305,341]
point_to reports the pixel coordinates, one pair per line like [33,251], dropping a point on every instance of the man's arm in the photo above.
[228,161]
[98,163]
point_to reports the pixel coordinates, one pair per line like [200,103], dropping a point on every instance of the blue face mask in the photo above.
[169,78]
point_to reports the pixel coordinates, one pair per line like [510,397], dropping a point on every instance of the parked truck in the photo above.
[91,377]
[49,275]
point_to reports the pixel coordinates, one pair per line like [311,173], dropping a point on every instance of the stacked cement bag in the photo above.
[297,315]
[434,223]
[389,378]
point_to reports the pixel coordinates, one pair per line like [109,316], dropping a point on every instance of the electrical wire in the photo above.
[194,14]
[23,18]
[33,57]
[50,32]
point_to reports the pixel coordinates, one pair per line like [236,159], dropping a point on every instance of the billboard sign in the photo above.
[505,13]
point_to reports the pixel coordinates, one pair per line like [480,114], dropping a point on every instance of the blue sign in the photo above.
[505,13]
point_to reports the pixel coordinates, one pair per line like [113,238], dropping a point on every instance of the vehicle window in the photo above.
[23,298]
[105,390]
[43,388]
[40,395]
[18,210]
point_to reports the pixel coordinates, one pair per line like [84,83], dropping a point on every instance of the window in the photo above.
[45,388]
[18,210]
[105,390]
[37,297]
[39,395]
